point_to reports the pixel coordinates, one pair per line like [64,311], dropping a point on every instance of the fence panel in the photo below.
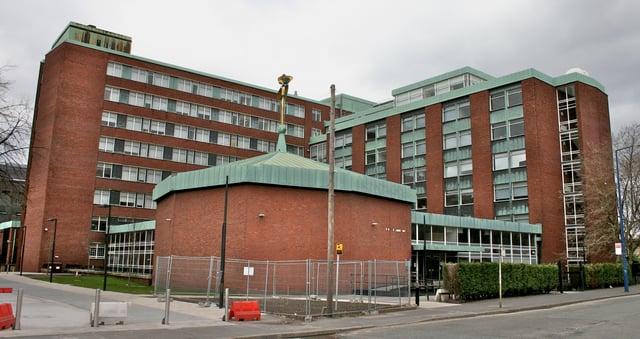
[295,287]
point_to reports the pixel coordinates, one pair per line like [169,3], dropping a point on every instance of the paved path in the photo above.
[62,311]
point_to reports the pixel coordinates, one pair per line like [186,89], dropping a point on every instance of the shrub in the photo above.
[471,281]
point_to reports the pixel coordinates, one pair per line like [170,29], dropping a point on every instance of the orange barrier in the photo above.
[7,319]
[244,310]
[6,290]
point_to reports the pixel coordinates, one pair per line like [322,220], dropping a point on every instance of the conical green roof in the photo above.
[283,169]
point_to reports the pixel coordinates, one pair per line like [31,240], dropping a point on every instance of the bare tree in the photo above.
[627,144]
[600,194]
[601,225]
[15,131]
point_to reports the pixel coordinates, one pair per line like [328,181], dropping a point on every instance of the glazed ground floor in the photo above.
[438,239]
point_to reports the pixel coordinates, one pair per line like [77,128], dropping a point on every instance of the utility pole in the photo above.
[330,240]
[223,245]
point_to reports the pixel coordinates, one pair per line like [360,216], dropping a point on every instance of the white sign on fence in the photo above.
[248,270]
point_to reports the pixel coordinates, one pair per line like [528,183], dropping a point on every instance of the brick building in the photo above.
[497,162]
[508,148]
[109,125]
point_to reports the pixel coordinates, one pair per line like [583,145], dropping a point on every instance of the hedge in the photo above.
[469,281]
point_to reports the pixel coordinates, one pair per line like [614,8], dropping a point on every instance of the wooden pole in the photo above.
[330,240]
[223,246]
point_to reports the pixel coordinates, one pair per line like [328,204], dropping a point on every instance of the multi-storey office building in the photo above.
[109,125]
[510,148]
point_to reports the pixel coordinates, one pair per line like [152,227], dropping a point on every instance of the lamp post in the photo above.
[53,247]
[621,216]
[24,238]
[106,248]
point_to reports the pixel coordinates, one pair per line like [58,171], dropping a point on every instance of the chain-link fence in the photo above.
[297,288]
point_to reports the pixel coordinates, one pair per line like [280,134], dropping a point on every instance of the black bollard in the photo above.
[560,277]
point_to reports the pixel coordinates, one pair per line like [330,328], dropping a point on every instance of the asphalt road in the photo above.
[62,311]
[610,318]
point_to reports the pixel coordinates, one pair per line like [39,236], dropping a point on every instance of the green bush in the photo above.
[604,275]
[471,281]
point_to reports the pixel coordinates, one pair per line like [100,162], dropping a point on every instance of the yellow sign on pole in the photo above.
[339,248]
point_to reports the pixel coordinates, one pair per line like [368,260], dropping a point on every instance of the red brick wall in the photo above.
[482,159]
[435,166]
[595,141]
[394,151]
[290,230]
[544,170]
[65,145]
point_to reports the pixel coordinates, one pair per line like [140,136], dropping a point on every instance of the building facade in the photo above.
[496,163]
[508,148]
[109,125]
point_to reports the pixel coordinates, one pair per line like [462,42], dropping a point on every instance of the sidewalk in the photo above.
[63,310]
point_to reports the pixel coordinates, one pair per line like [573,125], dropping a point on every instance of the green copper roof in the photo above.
[475,223]
[441,77]
[9,224]
[133,227]
[74,33]
[283,169]
[451,248]
[349,103]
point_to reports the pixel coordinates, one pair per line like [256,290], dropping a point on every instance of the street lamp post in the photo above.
[621,218]
[53,248]
[106,248]
[24,238]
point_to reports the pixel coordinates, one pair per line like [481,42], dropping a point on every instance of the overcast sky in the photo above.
[366,48]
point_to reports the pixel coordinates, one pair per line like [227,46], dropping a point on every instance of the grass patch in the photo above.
[114,284]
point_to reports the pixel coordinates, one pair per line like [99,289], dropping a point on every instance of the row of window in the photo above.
[512,159]
[97,250]
[375,131]
[460,109]
[151,151]
[572,177]
[438,88]
[469,236]
[185,132]
[456,110]
[99,223]
[458,197]
[414,175]
[457,139]
[194,110]
[345,162]
[505,98]
[202,89]
[412,122]
[343,140]
[125,199]
[130,173]
[507,129]
[414,148]
[376,156]
[571,174]
[458,168]
[132,252]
